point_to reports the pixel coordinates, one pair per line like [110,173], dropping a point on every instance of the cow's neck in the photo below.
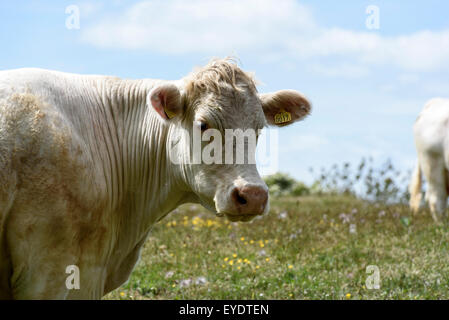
[145,185]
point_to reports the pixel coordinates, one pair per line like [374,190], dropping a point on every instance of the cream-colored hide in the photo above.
[85,169]
[431,132]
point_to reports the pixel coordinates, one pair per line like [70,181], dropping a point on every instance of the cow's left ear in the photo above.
[284,107]
[166,99]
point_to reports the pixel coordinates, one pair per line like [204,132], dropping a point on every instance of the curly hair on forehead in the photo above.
[218,72]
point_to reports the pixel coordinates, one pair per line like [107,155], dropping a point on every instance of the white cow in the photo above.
[86,169]
[431,132]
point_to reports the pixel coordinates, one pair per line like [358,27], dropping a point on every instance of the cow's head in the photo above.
[214,102]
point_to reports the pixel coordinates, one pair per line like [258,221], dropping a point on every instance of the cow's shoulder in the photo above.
[42,148]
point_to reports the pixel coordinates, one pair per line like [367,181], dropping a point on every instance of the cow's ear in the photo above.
[284,107]
[166,99]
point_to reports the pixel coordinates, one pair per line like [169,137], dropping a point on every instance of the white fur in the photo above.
[85,173]
[432,145]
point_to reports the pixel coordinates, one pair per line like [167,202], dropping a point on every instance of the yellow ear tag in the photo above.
[169,113]
[282,117]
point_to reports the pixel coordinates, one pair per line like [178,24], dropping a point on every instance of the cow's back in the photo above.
[431,127]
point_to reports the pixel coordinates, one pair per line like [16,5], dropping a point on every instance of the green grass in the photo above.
[302,250]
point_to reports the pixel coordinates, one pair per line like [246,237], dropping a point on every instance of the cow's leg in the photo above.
[46,237]
[8,190]
[40,251]
[53,281]
[434,171]
[5,269]
[38,281]
[50,259]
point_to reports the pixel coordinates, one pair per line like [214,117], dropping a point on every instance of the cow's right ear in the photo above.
[166,99]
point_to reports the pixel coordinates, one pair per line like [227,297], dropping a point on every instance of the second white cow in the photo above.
[431,133]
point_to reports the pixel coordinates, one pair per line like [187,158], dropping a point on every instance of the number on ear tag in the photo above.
[282,117]
[169,113]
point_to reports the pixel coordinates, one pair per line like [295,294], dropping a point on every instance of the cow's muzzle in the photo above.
[248,202]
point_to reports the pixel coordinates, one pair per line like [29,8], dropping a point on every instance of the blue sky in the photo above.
[366,85]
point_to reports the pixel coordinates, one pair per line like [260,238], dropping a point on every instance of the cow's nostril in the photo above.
[249,199]
[238,198]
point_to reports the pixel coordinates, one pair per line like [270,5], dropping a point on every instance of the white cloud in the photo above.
[89,9]
[272,29]
[200,26]
[422,51]
[344,70]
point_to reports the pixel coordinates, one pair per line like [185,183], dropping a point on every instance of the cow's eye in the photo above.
[203,126]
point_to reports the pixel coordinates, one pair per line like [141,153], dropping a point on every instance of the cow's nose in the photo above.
[250,199]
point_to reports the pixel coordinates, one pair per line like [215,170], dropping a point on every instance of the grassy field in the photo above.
[306,248]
